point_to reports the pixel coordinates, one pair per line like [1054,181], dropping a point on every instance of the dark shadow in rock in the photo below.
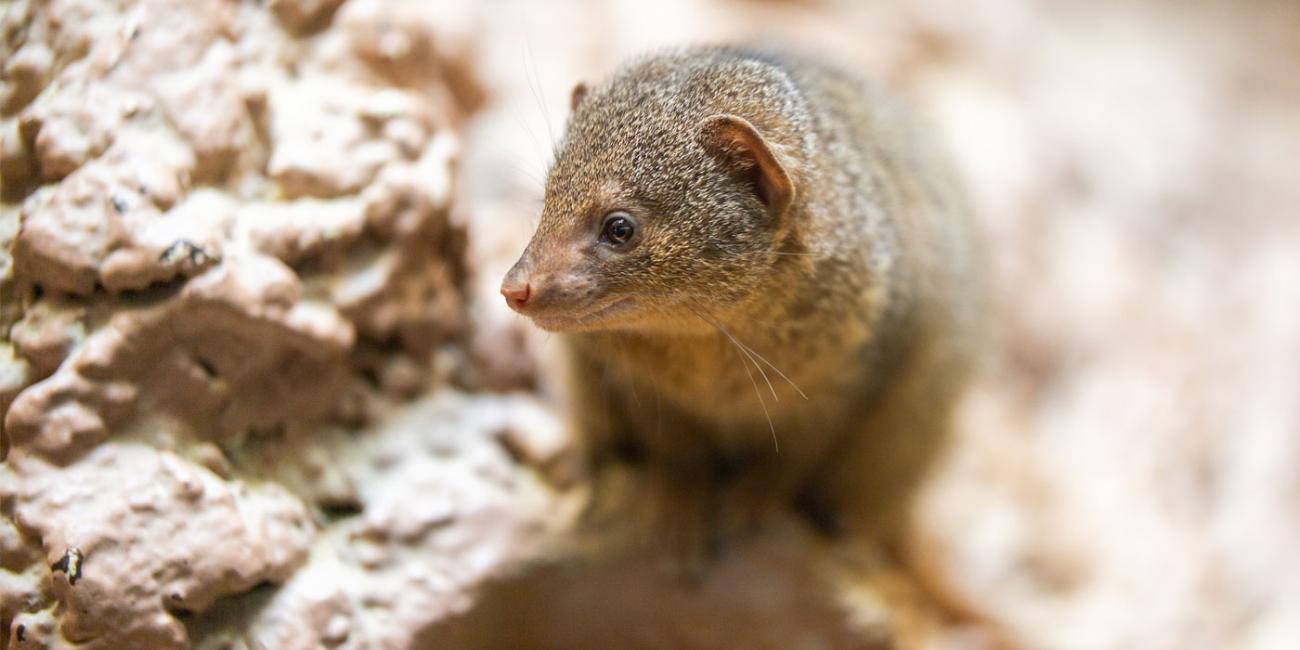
[220,625]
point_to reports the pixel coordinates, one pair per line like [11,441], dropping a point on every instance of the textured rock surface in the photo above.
[420,512]
[130,533]
[228,260]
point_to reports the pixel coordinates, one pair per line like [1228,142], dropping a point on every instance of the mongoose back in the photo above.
[767,283]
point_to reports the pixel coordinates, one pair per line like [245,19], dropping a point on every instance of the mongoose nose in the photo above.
[516,293]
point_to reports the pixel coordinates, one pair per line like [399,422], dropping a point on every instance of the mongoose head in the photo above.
[669,198]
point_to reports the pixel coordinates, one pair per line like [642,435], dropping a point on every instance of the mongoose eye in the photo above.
[618,228]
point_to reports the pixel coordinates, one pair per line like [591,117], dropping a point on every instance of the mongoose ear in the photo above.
[737,143]
[575,97]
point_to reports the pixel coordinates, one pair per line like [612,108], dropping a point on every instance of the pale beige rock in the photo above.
[222,129]
[35,631]
[47,334]
[323,147]
[235,348]
[167,310]
[438,507]
[306,229]
[74,126]
[92,229]
[141,524]
[429,46]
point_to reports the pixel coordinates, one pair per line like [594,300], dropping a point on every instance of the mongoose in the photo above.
[767,283]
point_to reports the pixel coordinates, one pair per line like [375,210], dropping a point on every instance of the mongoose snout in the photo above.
[516,288]
[562,290]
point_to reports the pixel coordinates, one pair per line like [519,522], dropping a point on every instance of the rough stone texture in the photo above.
[248,285]
[228,259]
[234,349]
[143,523]
[421,511]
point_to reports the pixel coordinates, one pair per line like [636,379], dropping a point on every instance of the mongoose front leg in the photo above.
[654,478]
[683,514]
[765,481]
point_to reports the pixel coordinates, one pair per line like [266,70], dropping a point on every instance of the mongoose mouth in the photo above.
[562,319]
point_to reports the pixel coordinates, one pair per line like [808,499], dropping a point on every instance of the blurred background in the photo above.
[1125,473]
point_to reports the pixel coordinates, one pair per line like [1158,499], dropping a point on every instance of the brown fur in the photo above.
[851,282]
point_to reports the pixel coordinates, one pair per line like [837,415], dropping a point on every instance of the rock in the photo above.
[123,570]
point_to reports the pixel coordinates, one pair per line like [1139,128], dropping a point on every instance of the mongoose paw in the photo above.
[669,517]
[743,511]
[751,496]
[682,526]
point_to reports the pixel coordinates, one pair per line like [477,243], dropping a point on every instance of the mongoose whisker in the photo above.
[749,353]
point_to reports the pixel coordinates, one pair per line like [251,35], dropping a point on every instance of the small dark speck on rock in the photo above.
[183,249]
[70,564]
